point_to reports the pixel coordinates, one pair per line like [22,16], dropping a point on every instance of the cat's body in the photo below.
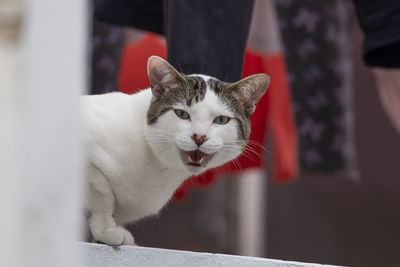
[141,147]
[116,116]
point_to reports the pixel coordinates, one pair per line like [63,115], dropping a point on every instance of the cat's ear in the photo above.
[162,76]
[249,91]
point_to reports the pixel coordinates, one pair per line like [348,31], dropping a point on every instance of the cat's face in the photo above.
[197,122]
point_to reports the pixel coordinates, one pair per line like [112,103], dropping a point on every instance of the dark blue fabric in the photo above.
[142,14]
[208,36]
[203,36]
[380,21]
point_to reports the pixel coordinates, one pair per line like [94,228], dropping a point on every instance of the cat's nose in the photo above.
[199,139]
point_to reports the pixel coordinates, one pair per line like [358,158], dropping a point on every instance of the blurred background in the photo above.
[341,205]
[323,182]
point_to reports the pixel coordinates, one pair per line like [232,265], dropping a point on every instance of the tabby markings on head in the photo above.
[224,92]
[192,90]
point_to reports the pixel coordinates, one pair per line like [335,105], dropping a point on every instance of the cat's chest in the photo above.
[145,196]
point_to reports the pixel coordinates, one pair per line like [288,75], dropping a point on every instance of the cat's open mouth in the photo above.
[195,158]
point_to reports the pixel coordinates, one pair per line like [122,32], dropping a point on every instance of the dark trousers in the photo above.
[203,36]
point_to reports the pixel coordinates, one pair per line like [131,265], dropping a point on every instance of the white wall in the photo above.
[40,133]
[9,178]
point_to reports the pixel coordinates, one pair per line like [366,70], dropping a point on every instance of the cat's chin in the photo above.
[195,161]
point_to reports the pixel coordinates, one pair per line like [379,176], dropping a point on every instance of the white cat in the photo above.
[141,147]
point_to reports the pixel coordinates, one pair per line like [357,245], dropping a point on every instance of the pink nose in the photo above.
[199,139]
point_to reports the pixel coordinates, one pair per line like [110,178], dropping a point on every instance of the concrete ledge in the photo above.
[96,255]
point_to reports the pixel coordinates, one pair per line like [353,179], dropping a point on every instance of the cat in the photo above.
[141,147]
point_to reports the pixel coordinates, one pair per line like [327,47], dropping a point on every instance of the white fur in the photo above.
[134,168]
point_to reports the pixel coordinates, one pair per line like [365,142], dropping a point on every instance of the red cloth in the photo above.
[133,66]
[281,120]
[274,107]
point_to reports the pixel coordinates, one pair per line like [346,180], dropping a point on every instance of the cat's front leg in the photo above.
[101,206]
[105,230]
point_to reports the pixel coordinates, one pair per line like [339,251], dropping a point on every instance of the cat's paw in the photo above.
[116,236]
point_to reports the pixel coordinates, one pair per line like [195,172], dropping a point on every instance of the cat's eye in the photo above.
[182,114]
[222,120]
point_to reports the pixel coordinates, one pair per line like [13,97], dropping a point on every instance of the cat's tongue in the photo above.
[196,157]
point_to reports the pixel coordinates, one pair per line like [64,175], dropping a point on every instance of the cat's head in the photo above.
[196,122]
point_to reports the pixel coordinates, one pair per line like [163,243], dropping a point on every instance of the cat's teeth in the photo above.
[201,160]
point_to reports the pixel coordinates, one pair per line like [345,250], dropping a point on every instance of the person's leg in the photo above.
[388,82]
[380,24]
[208,37]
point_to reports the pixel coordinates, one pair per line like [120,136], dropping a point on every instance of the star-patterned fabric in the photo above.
[317,48]
[106,46]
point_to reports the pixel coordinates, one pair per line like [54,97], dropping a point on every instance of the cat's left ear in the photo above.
[162,76]
[249,91]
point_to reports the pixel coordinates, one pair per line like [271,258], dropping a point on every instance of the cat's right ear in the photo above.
[162,76]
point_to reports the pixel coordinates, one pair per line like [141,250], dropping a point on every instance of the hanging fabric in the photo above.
[318,52]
